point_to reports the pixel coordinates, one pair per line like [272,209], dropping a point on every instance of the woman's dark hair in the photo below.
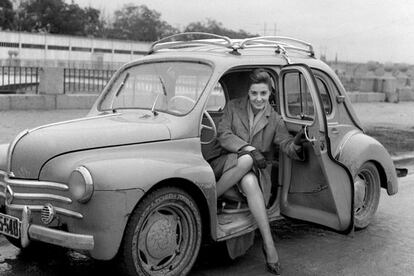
[260,76]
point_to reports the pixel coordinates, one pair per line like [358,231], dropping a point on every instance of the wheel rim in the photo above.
[164,239]
[364,192]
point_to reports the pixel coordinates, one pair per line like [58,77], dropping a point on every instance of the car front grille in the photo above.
[18,193]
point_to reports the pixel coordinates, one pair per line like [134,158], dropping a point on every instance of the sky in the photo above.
[352,30]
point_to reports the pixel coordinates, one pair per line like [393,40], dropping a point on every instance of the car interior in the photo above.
[306,189]
[233,212]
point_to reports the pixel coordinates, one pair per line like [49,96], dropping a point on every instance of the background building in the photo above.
[44,49]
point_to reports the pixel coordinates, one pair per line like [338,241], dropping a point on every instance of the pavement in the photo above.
[385,248]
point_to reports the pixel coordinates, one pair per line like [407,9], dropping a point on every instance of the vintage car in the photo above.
[130,180]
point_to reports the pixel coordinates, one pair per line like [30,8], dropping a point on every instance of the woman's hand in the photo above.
[300,138]
[258,159]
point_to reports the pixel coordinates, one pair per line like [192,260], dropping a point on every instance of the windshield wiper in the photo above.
[164,91]
[155,113]
[118,91]
[122,85]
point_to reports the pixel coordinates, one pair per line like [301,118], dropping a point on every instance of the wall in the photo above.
[61,50]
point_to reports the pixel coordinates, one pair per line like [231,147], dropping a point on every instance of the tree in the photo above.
[6,15]
[214,27]
[94,25]
[41,15]
[139,23]
[56,16]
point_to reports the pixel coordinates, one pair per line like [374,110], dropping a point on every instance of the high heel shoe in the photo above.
[273,268]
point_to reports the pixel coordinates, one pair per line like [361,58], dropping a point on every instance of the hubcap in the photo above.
[360,192]
[161,236]
[160,239]
[364,193]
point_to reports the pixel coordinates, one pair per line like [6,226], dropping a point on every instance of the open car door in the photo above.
[319,189]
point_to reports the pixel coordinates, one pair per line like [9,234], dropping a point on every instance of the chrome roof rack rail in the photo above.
[184,40]
[278,42]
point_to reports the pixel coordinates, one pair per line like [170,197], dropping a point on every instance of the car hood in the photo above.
[41,144]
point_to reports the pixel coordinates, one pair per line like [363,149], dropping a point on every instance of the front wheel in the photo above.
[367,194]
[163,235]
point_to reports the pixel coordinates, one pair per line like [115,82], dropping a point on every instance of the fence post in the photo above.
[51,80]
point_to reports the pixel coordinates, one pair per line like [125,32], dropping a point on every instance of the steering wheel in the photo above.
[211,127]
[174,98]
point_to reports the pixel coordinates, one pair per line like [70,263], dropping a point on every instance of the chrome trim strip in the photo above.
[11,148]
[36,184]
[3,185]
[74,120]
[26,218]
[34,196]
[68,213]
[38,208]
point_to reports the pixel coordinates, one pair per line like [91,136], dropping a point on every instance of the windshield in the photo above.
[172,87]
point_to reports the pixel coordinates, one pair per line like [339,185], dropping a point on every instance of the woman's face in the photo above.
[259,94]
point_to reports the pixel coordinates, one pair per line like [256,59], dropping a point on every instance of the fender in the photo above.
[122,175]
[361,148]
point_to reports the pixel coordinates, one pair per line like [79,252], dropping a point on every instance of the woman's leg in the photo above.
[234,175]
[251,188]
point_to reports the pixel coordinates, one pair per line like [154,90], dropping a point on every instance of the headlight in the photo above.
[81,184]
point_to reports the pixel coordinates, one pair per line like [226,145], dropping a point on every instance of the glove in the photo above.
[258,159]
[300,138]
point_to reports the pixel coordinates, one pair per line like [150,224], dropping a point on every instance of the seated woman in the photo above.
[246,136]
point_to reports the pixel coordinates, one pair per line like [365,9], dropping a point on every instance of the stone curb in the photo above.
[47,102]
[403,158]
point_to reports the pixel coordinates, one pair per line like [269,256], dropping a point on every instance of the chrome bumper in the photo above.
[57,237]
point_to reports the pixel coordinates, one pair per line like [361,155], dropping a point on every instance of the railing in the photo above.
[17,79]
[85,80]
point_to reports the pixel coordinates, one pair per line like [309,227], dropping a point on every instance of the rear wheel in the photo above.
[367,194]
[163,235]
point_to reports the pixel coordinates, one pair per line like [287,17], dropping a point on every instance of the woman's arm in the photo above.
[286,142]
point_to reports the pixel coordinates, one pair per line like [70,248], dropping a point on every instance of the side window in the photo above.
[326,99]
[298,101]
[217,99]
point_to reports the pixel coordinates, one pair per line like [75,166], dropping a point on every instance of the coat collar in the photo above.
[242,112]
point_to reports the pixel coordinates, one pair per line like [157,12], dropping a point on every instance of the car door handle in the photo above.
[335,131]
[313,139]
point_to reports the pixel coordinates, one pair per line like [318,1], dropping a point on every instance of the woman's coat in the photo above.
[233,133]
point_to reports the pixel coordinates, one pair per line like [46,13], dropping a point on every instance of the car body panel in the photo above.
[330,202]
[141,166]
[96,132]
[360,148]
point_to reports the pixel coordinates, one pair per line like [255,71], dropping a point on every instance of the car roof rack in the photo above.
[193,39]
[190,39]
[281,43]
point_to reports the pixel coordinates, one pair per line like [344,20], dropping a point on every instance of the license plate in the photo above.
[10,226]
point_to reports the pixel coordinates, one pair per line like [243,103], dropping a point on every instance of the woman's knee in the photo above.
[245,162]
[250,183]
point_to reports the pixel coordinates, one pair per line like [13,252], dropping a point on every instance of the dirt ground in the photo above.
[399,115]
[391,124]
